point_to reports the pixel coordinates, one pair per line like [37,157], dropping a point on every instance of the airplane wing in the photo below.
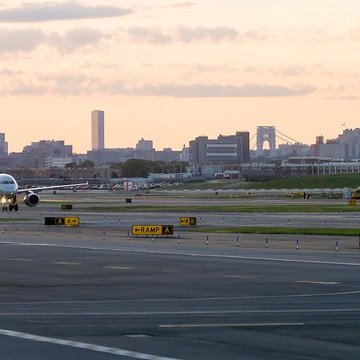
[53,187]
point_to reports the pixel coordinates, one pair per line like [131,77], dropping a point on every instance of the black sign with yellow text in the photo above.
[187,221]
[62,221]
[152,230]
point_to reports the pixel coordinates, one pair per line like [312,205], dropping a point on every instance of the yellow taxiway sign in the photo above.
[152,229]
[187,221]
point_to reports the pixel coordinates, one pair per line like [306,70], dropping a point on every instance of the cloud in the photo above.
[189,34]
[250,69]
[152,35]
[215,90]
[83,84]
[30,89]
[350,97]
[70,10]
[73,85]
[76,38]
[254,35]
[17,85]
[293,70]
[26,40]
[10,72]
[186,34]
[20,40]
[56,84]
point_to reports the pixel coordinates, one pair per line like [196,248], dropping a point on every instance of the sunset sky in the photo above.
[171,70]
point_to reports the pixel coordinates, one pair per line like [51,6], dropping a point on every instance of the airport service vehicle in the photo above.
[355,194]
[9,190]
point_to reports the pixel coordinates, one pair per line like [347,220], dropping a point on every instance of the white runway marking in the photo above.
[66,263]
[21,259]
[321,262]
[195,312]
[185,253]
[220,298]
[318,282]
[230,325]
[81,345]
[118,267]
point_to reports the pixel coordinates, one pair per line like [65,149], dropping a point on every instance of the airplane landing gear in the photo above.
[11,207]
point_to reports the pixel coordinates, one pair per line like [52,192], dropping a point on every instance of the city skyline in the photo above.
[280,140]
[171,71]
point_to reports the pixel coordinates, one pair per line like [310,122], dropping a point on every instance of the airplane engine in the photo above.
[31,199]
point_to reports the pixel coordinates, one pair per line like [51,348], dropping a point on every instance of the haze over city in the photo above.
[173,70]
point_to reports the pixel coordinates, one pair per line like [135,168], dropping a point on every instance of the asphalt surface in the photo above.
[109,298]
[68,294]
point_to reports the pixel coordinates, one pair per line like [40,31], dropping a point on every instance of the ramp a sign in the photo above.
[141,230]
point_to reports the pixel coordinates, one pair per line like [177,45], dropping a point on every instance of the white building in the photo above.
[58,162]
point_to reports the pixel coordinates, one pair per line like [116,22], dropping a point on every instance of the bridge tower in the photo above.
[265,133]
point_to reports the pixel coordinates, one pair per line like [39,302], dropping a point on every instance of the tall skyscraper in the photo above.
[97,130]
[3,145]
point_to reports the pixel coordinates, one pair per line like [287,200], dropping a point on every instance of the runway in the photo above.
[102,300]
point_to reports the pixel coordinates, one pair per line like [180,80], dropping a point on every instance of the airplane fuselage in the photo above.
[8,187]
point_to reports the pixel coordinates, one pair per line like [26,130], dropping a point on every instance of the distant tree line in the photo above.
[82,165]
[137,167]
[142,168]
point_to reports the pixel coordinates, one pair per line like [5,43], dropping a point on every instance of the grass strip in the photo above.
[14,219]
[280,230]
[292,208]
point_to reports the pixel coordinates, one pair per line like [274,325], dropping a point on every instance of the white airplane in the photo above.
[9,190]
